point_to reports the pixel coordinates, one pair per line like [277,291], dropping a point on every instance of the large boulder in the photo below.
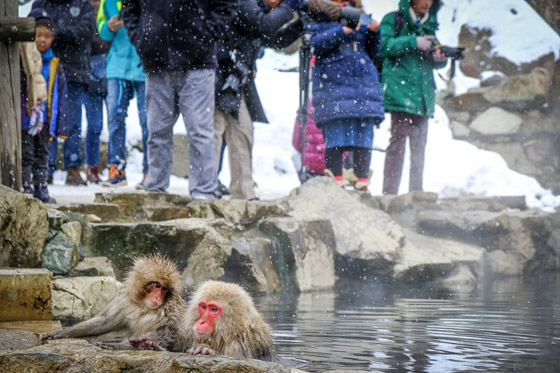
[23,229]
[80,298]
[76,355]
[367,240]
[427,258]
[178,239]
[305,252]
[517,241]
[25,294]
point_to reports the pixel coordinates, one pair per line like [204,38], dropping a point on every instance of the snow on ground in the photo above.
[453,168]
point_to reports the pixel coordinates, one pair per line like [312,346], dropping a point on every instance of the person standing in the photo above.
[347,98]
[125,79]
[176,41]
[409,87]
[237,100]
[96,95]
[73,24]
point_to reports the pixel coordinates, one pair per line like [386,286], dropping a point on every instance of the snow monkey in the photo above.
[221,318]
[148,305]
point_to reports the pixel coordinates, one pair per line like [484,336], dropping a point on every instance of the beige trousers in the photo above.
[239,139]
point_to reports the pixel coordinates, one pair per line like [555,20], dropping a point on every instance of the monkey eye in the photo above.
[157,285]
[213,309]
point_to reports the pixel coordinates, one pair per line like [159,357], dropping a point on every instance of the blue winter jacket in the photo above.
[345,81]
[123,62]
[57,97]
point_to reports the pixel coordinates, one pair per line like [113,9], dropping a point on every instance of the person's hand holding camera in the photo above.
[424,43]
[326,6]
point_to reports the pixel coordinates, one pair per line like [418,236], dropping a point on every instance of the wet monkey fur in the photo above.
[148,305]
[221,318]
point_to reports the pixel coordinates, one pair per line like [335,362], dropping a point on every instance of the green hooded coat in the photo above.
[407,77]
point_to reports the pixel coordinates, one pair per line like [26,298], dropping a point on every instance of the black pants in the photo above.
[360,162]
[35,157]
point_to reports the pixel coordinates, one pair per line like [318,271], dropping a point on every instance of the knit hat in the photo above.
[41,18]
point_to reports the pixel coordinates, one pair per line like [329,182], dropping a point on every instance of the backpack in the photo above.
[399,20]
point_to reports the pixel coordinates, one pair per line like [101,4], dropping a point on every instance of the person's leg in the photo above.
[119,93]
[418,138]
[53,151]
[27,161]
[361,161]
[140,89]
[221,122]
[40,168]
[94,115]
[394,156]
[41,148]
[333,164]
[162,113]
[196,103]
[239,137]
[73,143]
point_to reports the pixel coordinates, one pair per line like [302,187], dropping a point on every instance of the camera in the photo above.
[237,78]
[455,53]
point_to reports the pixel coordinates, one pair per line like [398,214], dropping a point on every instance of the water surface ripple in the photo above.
[510,324]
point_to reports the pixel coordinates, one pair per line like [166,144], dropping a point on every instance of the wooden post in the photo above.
[12,30]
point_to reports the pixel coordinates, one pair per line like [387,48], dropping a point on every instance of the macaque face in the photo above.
[155,296]
[422,7]
[208,313]
[43,38]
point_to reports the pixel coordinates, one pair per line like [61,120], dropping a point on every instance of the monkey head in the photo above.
[221,308]
[152,281]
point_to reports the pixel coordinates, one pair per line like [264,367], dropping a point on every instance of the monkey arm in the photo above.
[97,325]
[110,318]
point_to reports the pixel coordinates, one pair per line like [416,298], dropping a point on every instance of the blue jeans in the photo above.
[73,144]
[95,96]
[94,114]
[119,94]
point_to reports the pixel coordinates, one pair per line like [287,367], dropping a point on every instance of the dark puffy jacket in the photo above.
[255,25]
[74,25]
[177,35]
[345,81]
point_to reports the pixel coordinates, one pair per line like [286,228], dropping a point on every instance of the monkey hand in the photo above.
[103,346]
[51,335]
[143,343]
[201,350]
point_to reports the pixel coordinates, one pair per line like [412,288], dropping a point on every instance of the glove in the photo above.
[294,4]
[424,43]
[36,119]
[326,6]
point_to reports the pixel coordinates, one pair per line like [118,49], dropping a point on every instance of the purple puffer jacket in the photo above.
[314,150]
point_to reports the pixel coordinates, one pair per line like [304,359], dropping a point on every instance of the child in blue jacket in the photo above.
[35,140]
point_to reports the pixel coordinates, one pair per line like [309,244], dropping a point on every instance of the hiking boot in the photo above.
[140,185]
[117,177]
[222,190]
[341,183]
[42,193]
[362,184]
[73,177]
[27,189]
[93,174]
[349,176]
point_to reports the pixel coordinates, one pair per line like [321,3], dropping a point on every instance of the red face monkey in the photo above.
[222,318]
[149,304]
